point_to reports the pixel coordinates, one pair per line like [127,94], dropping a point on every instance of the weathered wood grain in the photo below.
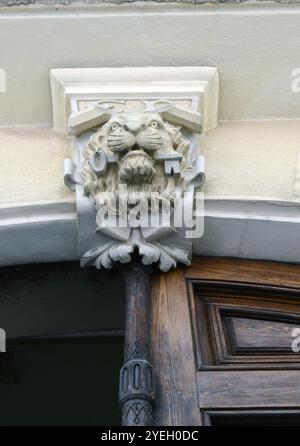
[136,387]
[251,389]
[172,353]
[262,335]
[245,271]
[235,316]
[244,327]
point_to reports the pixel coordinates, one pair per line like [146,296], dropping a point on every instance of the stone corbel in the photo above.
[163,154]
[151,158]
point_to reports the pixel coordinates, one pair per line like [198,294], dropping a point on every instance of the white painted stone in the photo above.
[266,230]
[179,116]
[135,157]
[87,119]
[153,83]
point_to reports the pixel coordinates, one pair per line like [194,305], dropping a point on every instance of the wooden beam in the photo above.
[172,352]
[254,389]
[136,376]
[245,271]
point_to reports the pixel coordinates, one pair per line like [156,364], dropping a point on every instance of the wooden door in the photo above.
[222,334]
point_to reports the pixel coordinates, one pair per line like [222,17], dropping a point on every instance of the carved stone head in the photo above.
[144,131]
[134,146]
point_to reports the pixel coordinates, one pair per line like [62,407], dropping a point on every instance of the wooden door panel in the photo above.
[252,389]
[278,275]
[173,353]
[222,333]
[240,327]
[287,417]
[265,336]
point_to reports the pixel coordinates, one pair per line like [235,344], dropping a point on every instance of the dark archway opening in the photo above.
[64,331]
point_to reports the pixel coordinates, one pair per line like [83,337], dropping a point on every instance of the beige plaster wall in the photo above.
[243,159]
[255,48]
[253,159]
[31,167]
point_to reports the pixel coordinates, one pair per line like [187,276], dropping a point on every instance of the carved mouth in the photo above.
[136,168]
[136,151]
[135,147]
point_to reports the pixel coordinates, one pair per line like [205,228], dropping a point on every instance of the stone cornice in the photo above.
[11,3]
[248,227]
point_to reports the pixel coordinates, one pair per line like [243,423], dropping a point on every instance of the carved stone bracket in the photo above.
[136,164]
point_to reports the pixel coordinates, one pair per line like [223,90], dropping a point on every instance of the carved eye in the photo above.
[115,126]
[154,124]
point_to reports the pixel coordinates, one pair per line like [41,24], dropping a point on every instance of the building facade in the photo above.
[185,99]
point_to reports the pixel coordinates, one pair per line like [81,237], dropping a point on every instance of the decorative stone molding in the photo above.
[136,164]
[119,2]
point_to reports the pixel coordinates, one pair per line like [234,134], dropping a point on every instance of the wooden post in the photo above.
[136,376]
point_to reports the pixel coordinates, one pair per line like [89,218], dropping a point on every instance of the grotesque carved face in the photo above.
[135,138]
[145,131]
[123,174]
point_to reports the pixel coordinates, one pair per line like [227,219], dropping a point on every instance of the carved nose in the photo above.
[133,126]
